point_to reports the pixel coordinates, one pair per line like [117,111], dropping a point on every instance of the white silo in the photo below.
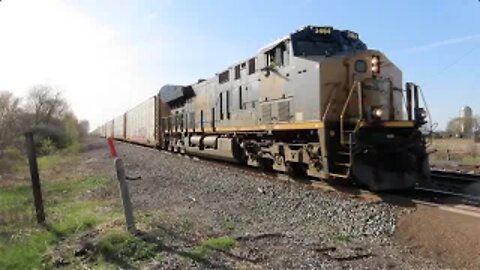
[466,121]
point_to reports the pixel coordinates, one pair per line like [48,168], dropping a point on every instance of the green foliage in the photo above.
[70,218]
[46,112]
[47,162]
[117,246]
[221,243]
[229,225]
[26,253]
[23,244]
[341,237]
[47,147]
[72,131]
[11,160]
[454,126]
[74,148]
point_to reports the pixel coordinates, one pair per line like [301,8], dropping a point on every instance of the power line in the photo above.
[456,60]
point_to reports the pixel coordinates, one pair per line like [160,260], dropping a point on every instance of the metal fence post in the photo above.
[37,190]
[123,186]
[127,204]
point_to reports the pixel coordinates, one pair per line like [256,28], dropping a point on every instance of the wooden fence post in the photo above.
[37,190]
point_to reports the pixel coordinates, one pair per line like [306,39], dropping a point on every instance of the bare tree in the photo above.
[476,124]
[84,127]
[9,117]
[45,103]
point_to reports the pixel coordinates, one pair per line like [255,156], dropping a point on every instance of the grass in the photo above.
[50,161]
[23,243]
[70,218]
[471,160]
[26,253]
[47,162]
[463,150]
[341,237]
[229,225]
[124,248]
[219,244]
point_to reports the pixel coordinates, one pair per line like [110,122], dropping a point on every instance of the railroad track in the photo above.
[444,191]
[455,182]
[440,196]
[441,193]
[455,176]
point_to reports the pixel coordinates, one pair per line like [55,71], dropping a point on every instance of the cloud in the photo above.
[443,43]
[51,42]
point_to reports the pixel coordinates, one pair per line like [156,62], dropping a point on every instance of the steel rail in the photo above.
[456,175]
[449,175]
[471,198]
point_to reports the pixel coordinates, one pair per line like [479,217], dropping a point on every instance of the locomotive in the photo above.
[316,102]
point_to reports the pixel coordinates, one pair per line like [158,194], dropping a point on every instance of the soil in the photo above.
[449,238]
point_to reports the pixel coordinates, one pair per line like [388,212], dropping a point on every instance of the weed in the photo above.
[341,237]
[70,218]
[220,244]
[117,246]
[229,225]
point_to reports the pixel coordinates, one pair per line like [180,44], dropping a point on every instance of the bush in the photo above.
[47,147]
[11,159]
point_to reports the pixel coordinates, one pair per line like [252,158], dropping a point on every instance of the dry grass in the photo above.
[464,150]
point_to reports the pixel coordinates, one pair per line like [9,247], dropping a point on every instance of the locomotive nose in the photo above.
[381,87]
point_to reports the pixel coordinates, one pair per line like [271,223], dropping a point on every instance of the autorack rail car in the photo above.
[317,102]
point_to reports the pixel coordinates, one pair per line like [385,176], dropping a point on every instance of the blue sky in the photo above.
[436,43]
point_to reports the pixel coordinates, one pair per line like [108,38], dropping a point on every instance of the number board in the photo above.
[323,30]
[352,35]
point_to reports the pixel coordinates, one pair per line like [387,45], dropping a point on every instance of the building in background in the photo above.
[467,122]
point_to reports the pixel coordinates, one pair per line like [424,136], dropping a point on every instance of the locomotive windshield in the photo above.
[325,41]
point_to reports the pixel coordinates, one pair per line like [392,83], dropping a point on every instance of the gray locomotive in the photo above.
[317,102]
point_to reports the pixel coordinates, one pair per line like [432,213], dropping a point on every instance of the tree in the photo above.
[9,117]
[459,126]
[84,127]
[45,103]
[454,125]
[476,123]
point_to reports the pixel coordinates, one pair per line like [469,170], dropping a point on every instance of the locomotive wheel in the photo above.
[296,170]
[265,164]
[355,183]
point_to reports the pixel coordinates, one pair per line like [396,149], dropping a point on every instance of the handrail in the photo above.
[330,99]
[358,87]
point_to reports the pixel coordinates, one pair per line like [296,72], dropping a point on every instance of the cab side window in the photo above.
[278,56]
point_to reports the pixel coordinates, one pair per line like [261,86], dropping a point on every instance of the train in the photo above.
[316,102]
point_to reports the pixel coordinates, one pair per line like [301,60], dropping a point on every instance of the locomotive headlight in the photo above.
[375,64]
[377,112]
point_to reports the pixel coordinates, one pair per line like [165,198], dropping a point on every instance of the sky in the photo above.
[108,56]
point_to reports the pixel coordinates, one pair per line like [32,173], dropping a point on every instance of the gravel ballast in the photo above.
[276,224]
